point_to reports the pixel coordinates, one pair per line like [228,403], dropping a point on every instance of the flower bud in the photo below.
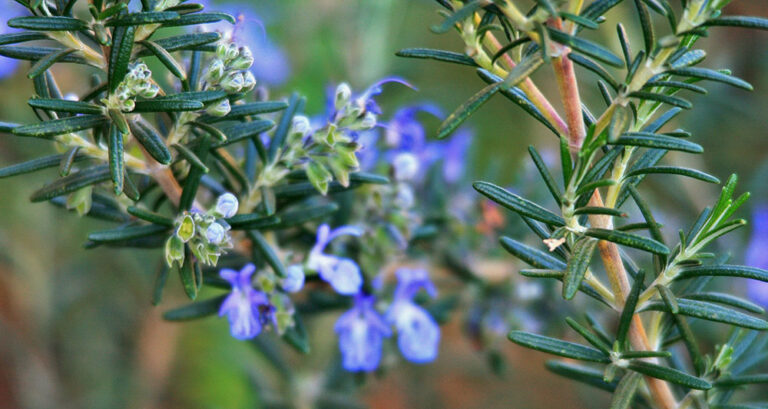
[405,166]
[367,122]
[249,81]
[300,125]
[219,109]
[294,278]
[127,105]
[186,229]
[343,95]
[233,82]
[226,205]
[174,250]
[149,91]
[244,60]
[215,233]
[215,70]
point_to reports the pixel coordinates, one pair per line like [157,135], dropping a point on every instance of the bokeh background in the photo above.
[77,329]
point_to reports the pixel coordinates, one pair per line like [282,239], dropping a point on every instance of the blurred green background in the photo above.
[77,329]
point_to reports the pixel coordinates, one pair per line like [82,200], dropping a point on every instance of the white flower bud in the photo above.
[215,70]
[226,205]
[215,233]
[150,91]
[244,59]
[127,105]
[219,109]
[405,166]
[294,279]
[249,81]
[232,52]
[367,122]
[343,95]
[300,125]
[233,82]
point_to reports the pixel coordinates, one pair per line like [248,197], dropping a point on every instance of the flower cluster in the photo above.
[137,83]
[361,329]
[250,309]
[205,234]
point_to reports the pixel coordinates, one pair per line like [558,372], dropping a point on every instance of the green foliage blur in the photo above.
[77,329]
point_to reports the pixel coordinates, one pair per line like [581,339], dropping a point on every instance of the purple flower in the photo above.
[246,308]
[418,334]
[341,273]
[405,132]
[12,9]
[757,254]
[294,279]
[361,103]
[455,155]
[361,330]
[270,64]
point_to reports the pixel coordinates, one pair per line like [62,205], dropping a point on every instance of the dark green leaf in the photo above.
[600,210]
[44,63]
[650,140]
[245,110]
[625,391]
[594,67]
[300,216]
[663,98]
[141,18]
[24,36]
[588,335]
[191,185]
[116,159]
[151,140]
[195,310]
[581,373]
[669,374]
[439,55]
[464,12]
[36,53]
[557,347]
[166,58]
[518,204]
[727,299]
[34,165]
[582,21]
[49,129]
[127,233]
[296,336]
[295,105]
[628,311]
[675,170]
[245,130]
[188,277]
[167,105]
[676,85]
[739,21]
[149,216]
[712,75]
[49,23]
[183,42]
[741,380]
[532,256]
[629,240]
[252,221]
[578,264]
[120,55]
[64,105]
[545,175]
[190,157]
[466,109]
[199,18]
[711,312]
[753,273]
[266,251]
[586,47]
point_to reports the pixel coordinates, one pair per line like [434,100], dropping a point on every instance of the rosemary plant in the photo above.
[604,158]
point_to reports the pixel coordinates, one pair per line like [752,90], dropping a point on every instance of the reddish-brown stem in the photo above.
[609,252]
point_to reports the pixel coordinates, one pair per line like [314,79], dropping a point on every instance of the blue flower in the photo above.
[361,330]
[294,279]
[455,155]
[246,308]
[418,334]
[757,256]
[404,132]
[9,65]
[342,273]
[270,64]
